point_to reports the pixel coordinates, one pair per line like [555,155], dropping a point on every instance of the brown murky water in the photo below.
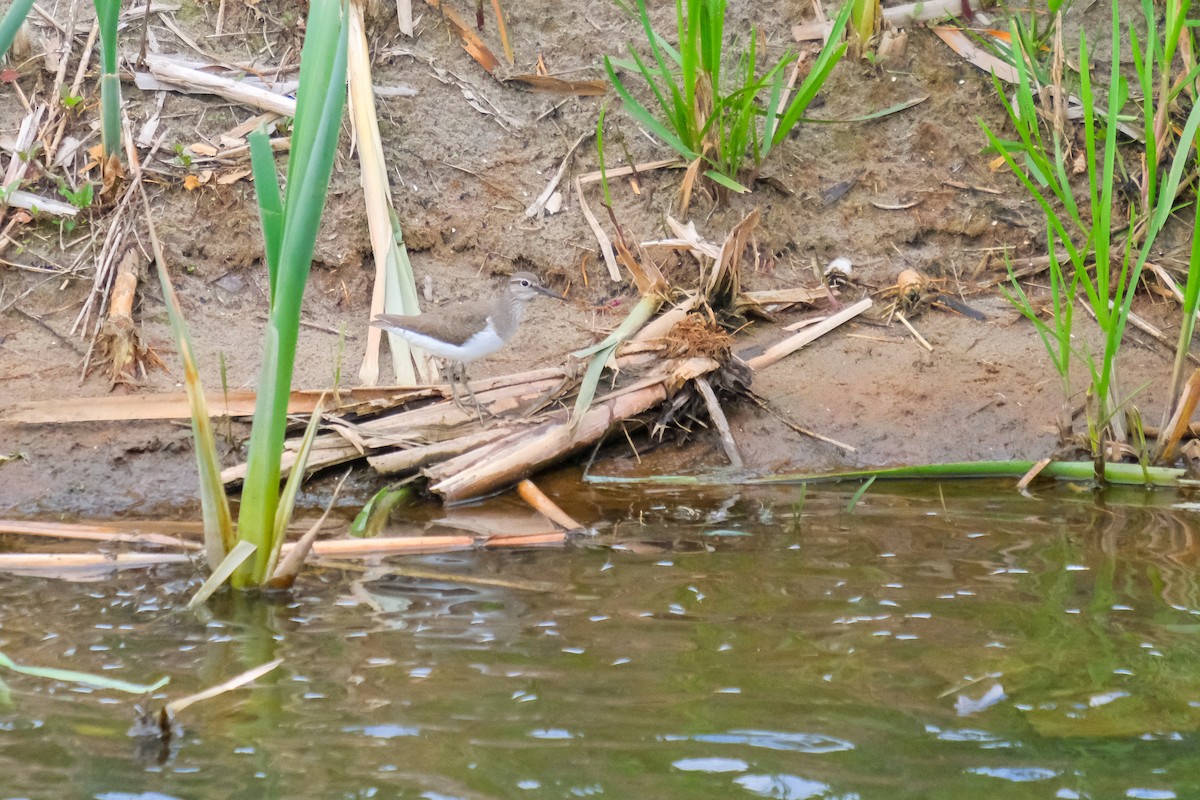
[935,642]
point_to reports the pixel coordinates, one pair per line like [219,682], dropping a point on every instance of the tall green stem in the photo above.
[319,108]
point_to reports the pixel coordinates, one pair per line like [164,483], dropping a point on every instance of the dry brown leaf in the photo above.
[470,40]
[233,176]
[548,83]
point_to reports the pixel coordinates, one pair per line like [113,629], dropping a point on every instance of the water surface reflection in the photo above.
[937,642]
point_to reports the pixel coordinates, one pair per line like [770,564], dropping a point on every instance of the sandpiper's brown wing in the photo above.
[452,324]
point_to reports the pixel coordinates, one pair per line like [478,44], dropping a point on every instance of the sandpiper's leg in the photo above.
[458,372]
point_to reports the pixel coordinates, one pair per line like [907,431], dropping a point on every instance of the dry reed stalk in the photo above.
[384,545]
[717,415]
[538,206]
[526,541]
[414,458]
[94,533]
[404,17]
[377,194]
[535,497]
[29,562]
[602,238]
[915,333]
[502,29]
[119,339]
[798,294]
[661,325]
[470,41]
[236,682]
[237,403]
[188,80]
[77,565]
[284,575]
[519,455]
[897,16]
[436,421]
[1168,444]
[1034,471]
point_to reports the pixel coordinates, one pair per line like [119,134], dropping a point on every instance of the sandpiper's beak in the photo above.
[543,290]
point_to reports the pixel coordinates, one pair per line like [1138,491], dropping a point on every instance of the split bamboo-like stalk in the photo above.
[519,455]
[417,426]
[394,286]
[187,79]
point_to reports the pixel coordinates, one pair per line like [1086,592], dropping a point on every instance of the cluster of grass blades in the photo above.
[707,117]
[1089,250]
[248,556]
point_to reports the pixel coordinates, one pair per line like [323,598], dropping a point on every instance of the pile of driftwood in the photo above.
[661,374]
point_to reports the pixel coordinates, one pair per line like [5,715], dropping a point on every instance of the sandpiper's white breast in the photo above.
[483,343]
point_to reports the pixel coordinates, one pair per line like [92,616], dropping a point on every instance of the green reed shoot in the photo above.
[1108,277]
[290,227]
[108,13]
[701,116]
[1155,67]
[1055,335]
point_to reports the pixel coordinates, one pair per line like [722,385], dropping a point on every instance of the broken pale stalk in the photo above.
[526,451]
[535,497]
[395,290]
[794,343]
[718,417]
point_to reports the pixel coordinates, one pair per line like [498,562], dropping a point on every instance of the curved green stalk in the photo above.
[1117,474]
[11,23]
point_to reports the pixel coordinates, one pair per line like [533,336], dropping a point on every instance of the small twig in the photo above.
[920,339]
[800,429]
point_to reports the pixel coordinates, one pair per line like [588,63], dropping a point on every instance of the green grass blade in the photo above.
[861,491]
[768,136]
[1084,471]
[645,118]
[287,500]
[221,573]
[270,202]
[82,678]
[219,536]
[108,14]
[599,353]
[831,53]
[726,181]
[11,23]
[374,515]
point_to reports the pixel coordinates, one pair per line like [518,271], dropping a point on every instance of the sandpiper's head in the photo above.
[525,286]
